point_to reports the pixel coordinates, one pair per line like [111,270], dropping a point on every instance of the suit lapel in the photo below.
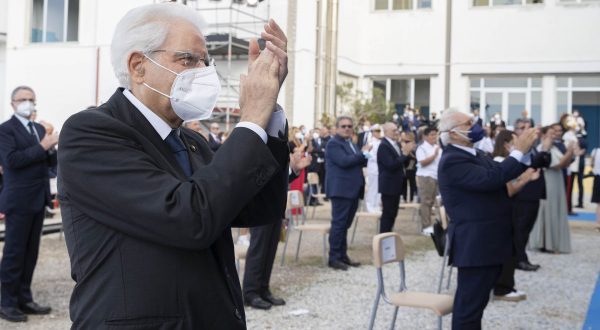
[22,130]
[152,142]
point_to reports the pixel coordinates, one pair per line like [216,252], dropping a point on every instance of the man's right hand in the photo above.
[49,141]
[259,89]
[524,142]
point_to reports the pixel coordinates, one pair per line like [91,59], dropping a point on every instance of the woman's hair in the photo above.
[503,137]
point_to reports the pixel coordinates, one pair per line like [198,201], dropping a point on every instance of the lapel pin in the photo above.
[193,148]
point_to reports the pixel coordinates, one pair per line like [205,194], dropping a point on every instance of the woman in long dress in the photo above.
[551,231]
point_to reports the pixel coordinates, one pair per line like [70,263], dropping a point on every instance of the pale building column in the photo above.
[548,100]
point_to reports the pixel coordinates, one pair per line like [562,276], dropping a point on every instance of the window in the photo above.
[423,4]
[54,20]
[488,3]
[508,96]
[402,92]
[402,4]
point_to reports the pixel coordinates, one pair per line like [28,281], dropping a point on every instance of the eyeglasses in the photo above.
[187,59]
[23,100]
[345,126]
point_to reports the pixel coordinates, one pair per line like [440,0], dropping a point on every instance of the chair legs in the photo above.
[354,230]
[287,238]
[449,278]
[324,249]
[374,311]
[439,323]
[313,212]
[394,318]
[439,290]
[298,247]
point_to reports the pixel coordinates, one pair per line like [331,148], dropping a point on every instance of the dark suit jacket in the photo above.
[360,141]
[344,169]
[473,189]
[26,185]
[535,190]
[213,144]
[149,247]
[391,168]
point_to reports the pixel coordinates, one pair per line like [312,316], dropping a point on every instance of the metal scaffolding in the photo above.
[231,24]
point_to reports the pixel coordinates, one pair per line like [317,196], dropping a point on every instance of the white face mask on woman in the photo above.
[194,92]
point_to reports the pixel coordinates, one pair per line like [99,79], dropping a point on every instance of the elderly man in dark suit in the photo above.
[26,153]
[344,185]
[473,189]
[391,159]
[148,229]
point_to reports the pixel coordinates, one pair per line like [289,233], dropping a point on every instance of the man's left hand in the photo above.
[278,45]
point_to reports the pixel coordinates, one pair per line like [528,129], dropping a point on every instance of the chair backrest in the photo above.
[312,178]
[443,217]
[387,247]
[295,199]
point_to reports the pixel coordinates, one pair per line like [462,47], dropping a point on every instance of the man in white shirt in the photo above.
[428,157]
[372,196]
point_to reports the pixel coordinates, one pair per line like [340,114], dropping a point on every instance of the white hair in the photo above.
[144,29]
[447,122]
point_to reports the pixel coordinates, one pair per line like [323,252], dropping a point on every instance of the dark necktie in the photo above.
[179,151]
[32,132]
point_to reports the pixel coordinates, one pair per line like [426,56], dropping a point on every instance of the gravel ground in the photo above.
[558,294]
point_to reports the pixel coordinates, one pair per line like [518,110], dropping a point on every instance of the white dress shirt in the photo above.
[426,150]
[25,123]
[276,123]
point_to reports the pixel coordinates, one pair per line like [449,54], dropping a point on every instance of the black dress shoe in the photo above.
[336,264]
[526,266]
[34,308]
[350,263]
[258,302]
[275,301]
[12,314]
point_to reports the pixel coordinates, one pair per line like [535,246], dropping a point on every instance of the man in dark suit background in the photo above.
[214,140]
[473,189]
[344,185]
[527,201]
[26,153]
[148,229]
[262,250]
[391,159]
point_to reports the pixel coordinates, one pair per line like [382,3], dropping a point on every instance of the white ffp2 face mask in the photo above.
[194,92]
[25,109]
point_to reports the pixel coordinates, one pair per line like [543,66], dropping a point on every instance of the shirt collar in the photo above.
[162,128]
[23,121]
[472,151]
[392,142]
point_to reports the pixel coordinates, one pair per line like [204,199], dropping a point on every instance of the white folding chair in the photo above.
[295,201]
[443,216]
[313,190]
[373,216]
[388,248]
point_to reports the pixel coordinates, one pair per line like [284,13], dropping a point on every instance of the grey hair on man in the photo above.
[19,88]
[343,117]
[144,29]
[448,121]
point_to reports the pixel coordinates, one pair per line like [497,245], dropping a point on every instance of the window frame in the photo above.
[569,89]
[414,6]
[492,5]
[65,25]
[504,91]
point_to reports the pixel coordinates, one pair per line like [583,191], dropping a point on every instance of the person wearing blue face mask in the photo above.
[474,193]
[147,206]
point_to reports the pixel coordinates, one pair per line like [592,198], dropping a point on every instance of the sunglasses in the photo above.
[345,126]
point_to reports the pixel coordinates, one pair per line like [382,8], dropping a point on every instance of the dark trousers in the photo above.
[525,214]
[410,179]
[506,281]
[389,212]
[472,295]
[21,246]
[578,178]
[260,258]
[342,214]
[569,191]
[320,169]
